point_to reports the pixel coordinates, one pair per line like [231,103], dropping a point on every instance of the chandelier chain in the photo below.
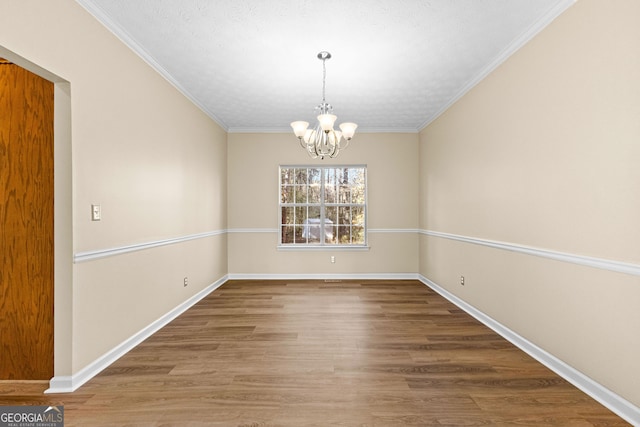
[324,78]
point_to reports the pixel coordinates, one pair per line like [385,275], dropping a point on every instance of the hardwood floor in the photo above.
[315,353]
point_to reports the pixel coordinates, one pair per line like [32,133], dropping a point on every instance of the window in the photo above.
[323,206]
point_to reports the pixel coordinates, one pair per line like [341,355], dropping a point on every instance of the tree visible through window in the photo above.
[323,205]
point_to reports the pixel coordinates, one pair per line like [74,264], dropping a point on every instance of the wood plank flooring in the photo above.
[316,353]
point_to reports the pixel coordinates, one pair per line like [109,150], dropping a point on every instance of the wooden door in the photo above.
[26,225]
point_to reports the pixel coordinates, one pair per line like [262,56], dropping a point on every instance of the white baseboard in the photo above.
[61,384]
[68,384]
[338,276]
[623,408]
[617,404]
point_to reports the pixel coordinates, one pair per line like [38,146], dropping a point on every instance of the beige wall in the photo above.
[544,153]
[153,161]
[392,175]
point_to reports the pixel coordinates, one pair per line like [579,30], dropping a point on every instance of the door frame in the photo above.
[63,218]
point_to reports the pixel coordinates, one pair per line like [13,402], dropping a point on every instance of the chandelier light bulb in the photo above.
[327,121]
[300,128]
[348,130]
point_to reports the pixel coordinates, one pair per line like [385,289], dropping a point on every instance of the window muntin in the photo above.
[323,206]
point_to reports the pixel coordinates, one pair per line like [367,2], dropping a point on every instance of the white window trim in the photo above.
[323,246]
[326,248]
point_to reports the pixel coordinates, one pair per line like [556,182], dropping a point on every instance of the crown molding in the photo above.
[287,130]
[104,18]
[514,46]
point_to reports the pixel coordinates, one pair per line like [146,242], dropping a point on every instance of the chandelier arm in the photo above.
[336,147]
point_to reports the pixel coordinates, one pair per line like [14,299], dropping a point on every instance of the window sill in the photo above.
[339,248]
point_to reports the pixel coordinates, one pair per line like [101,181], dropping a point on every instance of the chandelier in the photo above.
[322,140]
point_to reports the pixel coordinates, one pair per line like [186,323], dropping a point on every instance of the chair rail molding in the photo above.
[601,263]
[119,250]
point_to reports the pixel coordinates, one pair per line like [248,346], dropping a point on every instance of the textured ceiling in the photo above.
[397,64]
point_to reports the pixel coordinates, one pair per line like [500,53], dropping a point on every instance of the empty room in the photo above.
[291,213]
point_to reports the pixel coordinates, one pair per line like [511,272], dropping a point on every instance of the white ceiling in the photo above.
[397,64]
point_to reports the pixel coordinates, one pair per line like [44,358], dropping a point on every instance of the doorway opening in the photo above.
[53,170]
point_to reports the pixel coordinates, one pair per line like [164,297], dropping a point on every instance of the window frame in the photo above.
[321,244]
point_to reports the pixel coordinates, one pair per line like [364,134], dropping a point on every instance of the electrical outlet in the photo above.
[186,281]
[333,259]
[462,280]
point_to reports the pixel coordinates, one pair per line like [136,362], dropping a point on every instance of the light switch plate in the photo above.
[96,213]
